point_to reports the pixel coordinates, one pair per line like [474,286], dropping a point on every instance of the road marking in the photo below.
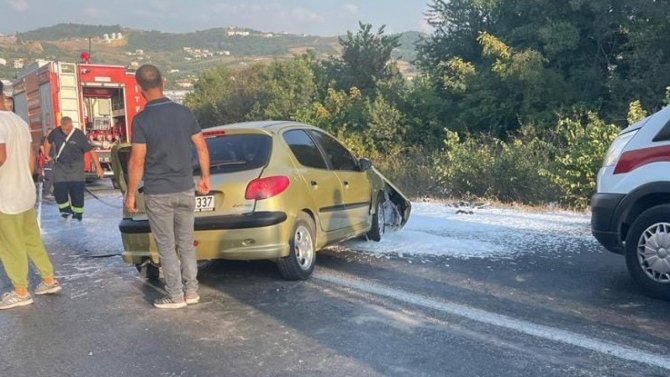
[521,326]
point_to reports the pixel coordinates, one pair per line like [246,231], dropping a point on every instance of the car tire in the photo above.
[644,231]
[300,262]
[149,271]
[378,221]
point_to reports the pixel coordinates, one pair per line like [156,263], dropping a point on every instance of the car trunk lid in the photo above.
[236,159]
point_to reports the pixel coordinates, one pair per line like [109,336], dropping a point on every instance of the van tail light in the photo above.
[265,188]
[616,149]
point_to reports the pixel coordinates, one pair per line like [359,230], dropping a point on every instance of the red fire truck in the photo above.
[101,100]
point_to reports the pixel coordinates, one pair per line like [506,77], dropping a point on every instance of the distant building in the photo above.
[3,62]
[185,84]
[177,96]
[232,33]
[10,39]
[7,85]
[19,63]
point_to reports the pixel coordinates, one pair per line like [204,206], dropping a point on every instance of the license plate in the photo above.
[204,203]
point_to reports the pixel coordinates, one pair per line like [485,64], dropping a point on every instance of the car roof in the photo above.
[268,125]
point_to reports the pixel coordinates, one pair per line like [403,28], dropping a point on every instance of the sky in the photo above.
[315,17]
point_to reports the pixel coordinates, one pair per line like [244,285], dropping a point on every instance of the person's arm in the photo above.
[96,160]
[138,155]
[47,149]
[3,145]
[135,172]
[32,161]
[3,153]
[203,158]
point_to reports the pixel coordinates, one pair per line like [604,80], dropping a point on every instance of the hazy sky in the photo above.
[322,17]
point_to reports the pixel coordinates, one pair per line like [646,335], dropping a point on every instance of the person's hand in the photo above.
[100,173]
[129,203]
[203,186]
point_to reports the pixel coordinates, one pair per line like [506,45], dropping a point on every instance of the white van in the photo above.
[631,211]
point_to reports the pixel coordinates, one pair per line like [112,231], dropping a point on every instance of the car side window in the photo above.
[340,158]
[304,149]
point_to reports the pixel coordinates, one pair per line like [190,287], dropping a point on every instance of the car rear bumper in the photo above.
[604,227]
[262,235]
[254,220]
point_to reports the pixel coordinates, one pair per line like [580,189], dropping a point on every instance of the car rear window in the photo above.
[236,153]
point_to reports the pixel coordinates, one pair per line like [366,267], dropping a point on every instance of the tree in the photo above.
[366,60]
[262,91]
[500,64]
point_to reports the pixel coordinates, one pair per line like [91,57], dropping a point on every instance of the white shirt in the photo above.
[17,189]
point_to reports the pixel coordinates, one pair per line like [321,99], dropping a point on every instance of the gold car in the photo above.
[280,191]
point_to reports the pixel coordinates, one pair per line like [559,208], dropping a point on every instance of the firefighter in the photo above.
[69,177]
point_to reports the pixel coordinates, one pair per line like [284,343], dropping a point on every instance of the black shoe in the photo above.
[77,216]
[65,215]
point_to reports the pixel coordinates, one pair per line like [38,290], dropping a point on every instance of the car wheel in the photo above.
[378,221]
[648,251]
[148,271]
[299,264]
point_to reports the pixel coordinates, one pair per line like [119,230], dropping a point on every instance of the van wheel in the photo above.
[648,251]
[149,272]
[299,264]
[378,221]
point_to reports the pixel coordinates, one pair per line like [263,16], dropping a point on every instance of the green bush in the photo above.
[486,167]
[412,170]
[583,146]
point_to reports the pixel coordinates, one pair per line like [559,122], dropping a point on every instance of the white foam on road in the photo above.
[529,328]
[436,229]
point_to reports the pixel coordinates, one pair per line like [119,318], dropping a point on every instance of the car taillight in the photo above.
[265,188]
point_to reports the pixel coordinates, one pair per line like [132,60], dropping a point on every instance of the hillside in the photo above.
[181,55]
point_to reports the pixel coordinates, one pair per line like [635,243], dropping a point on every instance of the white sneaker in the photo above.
[192,298]
[13,300]
[48,289]
[170,303]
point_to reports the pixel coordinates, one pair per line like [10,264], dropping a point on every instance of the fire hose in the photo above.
[102,201]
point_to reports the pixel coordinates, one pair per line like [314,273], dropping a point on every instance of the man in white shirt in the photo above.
[20,237]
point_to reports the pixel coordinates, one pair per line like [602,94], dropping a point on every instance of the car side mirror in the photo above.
[365,164]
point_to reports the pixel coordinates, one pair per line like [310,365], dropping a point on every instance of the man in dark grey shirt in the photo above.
[70,145]
[162,136]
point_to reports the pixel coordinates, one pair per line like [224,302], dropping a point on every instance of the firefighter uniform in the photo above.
[68,171]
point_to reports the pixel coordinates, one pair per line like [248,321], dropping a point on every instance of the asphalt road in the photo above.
[557,312]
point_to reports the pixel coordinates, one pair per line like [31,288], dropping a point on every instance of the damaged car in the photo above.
[280,191]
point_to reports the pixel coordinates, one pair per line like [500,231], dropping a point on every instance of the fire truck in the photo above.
[101,100]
